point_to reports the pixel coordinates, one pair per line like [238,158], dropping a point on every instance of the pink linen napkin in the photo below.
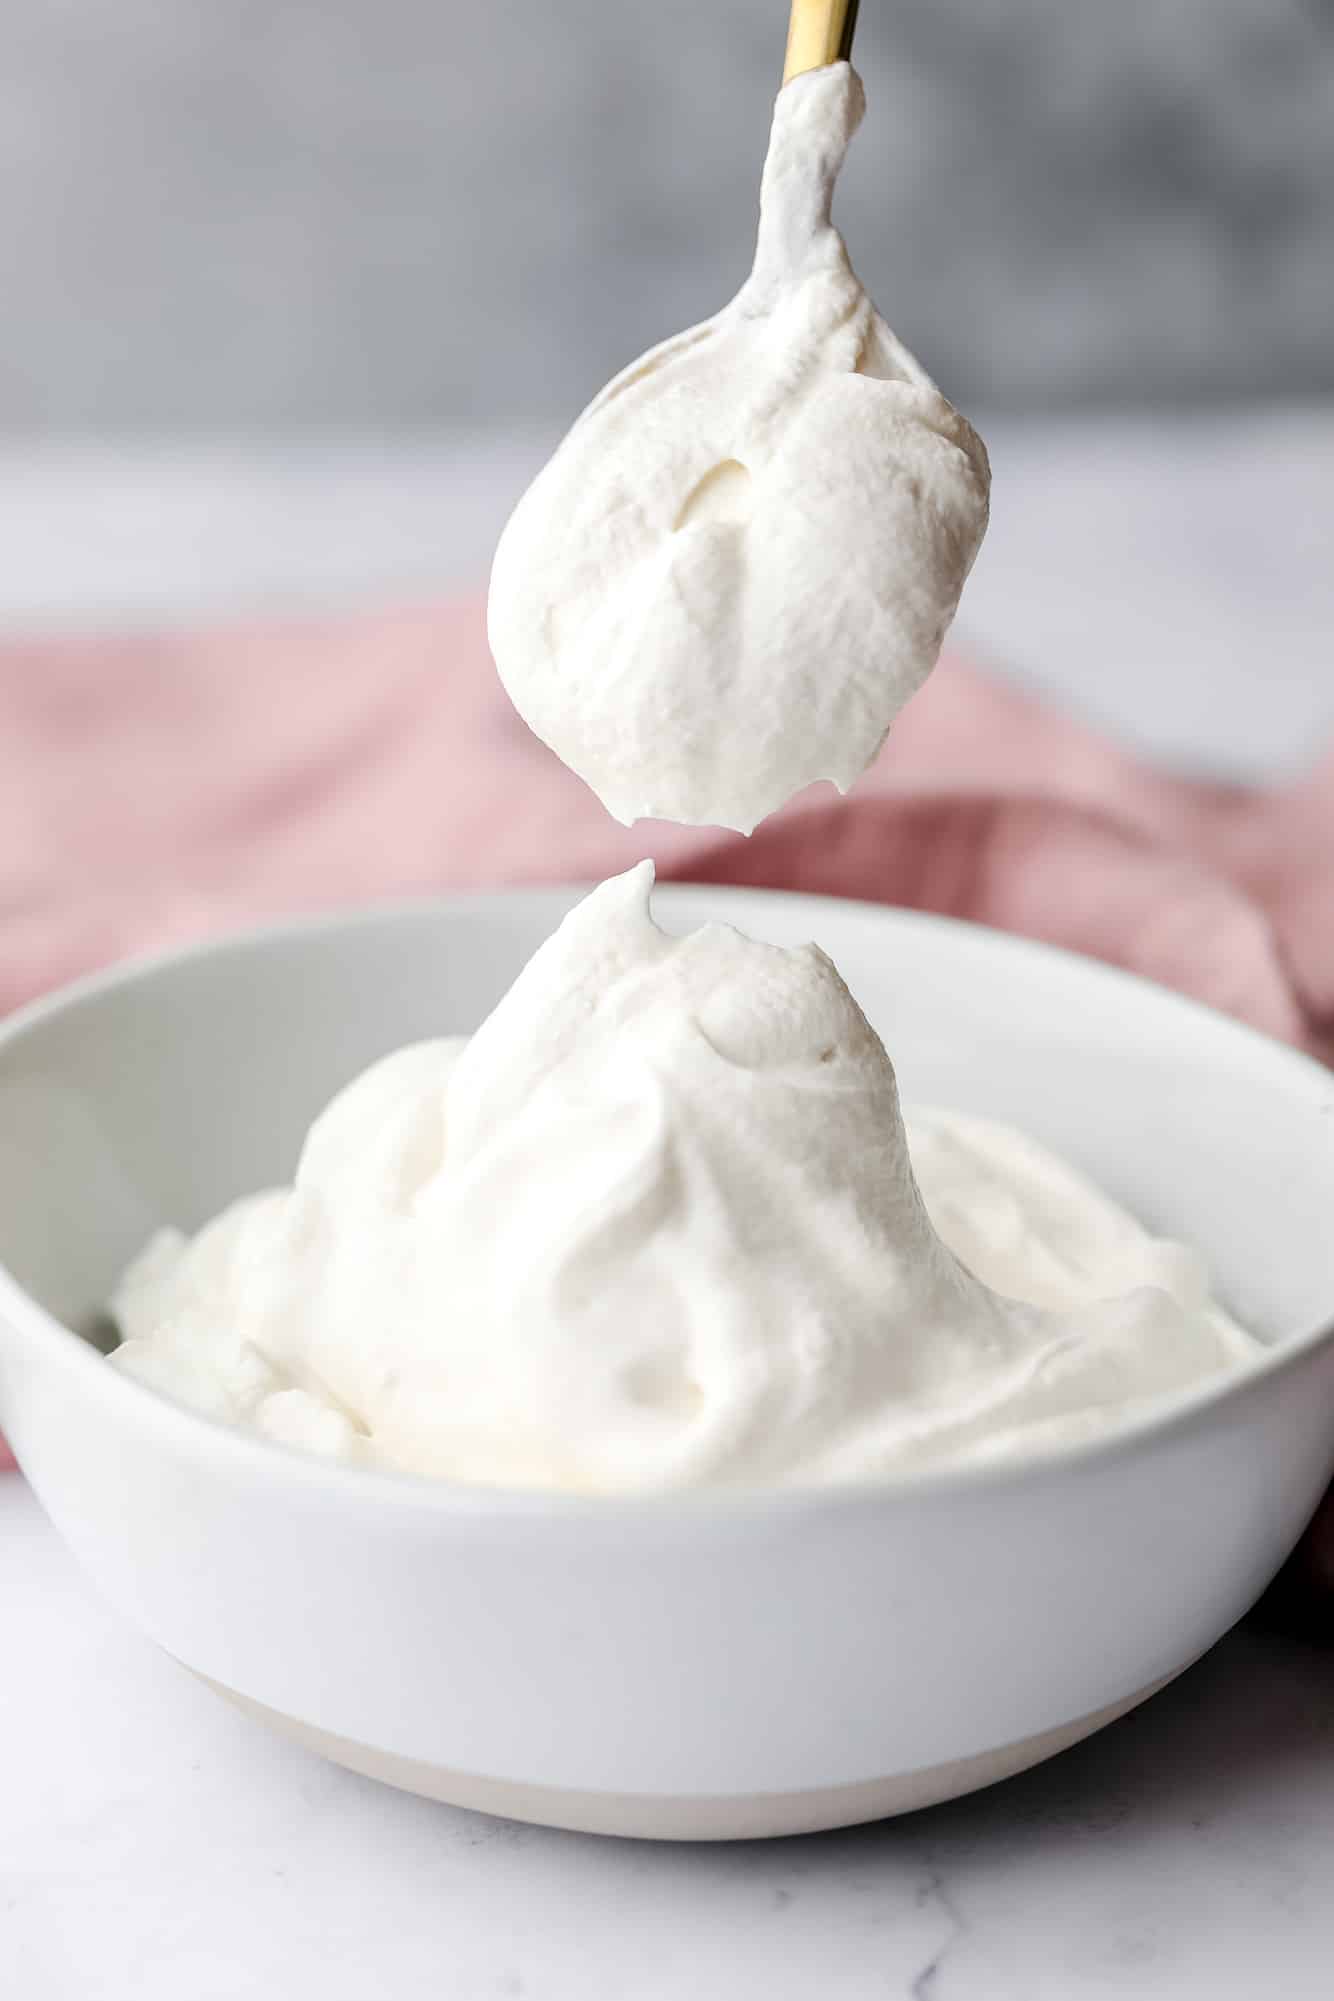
[157,787]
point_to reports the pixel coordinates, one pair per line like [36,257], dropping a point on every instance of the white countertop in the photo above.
[1169,576]
[155,1845]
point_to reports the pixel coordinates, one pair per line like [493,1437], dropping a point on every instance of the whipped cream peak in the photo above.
[656,1226]
[743,558]
[815,119]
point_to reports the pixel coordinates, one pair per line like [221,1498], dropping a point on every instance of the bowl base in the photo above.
[693,1816]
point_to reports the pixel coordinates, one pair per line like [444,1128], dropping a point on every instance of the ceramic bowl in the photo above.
[706,1665]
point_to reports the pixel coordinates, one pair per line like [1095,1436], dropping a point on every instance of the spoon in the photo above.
[819,32]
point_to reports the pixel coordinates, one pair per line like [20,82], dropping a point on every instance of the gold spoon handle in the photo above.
[819,32]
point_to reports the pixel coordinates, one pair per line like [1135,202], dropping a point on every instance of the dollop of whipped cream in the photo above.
[743,558]
[656,1226]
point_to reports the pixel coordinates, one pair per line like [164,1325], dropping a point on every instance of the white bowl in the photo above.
[715,1664]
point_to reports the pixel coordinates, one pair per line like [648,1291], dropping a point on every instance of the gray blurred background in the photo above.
[295,296]
[302,216]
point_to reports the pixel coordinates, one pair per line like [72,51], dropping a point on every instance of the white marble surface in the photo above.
[1169,576]
[154,1845]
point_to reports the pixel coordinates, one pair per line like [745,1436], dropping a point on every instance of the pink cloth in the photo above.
[155,788]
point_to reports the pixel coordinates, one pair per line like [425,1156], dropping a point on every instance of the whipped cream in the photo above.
[656,1226]
[742,560]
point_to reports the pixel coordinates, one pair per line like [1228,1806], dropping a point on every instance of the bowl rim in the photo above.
[1180,1412]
